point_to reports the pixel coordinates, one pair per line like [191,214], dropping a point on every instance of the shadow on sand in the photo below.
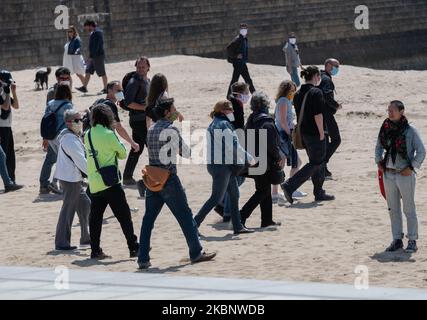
[398,256]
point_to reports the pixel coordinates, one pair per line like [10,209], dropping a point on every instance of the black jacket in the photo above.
[235,48]
[328,88]
[239,113]
[258,121]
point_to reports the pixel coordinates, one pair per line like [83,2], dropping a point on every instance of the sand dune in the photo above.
[317,242]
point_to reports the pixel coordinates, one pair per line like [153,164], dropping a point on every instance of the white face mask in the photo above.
[77,128]
[231,117]
[244,32]
[66,83]
[119,96]
[245,98]
[292,40]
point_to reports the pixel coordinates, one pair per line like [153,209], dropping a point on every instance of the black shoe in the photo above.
[287,194]
[220,210]
[70,248]
[395,245]
[133,253]
[12,187]
[144,265]
[226,219]
[324,197]
[204,257]
[412,247]
[82,89]
[103,91]
[98,255]
[271,224]
[129,182]
[244,230]
[44,190]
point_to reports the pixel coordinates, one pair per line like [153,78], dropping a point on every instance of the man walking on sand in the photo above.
[238,53]
[96,61]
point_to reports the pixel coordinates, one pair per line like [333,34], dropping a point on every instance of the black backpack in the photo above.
[48,124]
[125,83]
[86,116]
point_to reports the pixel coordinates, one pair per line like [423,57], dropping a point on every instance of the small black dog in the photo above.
[42,78]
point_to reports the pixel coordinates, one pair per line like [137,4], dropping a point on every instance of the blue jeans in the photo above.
[223,180]
[3,169]
[295,76]
[48,163]
[227,202]
[173,195]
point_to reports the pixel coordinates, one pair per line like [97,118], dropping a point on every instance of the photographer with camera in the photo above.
[8,100]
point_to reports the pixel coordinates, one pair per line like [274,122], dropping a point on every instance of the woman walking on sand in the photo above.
[73,58]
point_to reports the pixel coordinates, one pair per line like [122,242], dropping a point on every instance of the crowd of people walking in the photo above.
[87,148]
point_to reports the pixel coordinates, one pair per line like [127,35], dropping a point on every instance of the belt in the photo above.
[392,170]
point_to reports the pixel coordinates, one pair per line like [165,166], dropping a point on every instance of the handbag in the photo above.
[155,178]
[296,134]
[110,175]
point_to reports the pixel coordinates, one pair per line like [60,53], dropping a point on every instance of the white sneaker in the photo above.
[281,201]
[299,194]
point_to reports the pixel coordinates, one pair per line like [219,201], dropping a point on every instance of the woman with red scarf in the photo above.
[398,153]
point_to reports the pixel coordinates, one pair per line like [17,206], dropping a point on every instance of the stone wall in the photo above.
[397,37]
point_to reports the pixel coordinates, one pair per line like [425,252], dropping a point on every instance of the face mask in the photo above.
[231,117]
[66,83]
[245,98]
[119,96]
[335,71]
[292,40]
[244,32]
[77,128]
[173,116]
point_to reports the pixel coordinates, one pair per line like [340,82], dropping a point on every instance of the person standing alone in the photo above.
[238,54]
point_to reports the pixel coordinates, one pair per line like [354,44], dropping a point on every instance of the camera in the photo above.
[6,80]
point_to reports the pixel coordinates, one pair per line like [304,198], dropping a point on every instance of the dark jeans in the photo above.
[223,181]
[241,69]
[227,202]
[7,143]
[333,137]
[116,199]
[173,195]
[48,163]
[314,169]
[139,135]
[261,197]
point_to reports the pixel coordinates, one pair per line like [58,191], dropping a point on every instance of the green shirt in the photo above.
[107,148]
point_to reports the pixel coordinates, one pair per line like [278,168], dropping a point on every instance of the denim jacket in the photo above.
[416,151]
[222,139]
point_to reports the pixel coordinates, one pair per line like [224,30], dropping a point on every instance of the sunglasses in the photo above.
[77,120]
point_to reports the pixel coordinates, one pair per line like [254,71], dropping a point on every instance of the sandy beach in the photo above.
[316,242]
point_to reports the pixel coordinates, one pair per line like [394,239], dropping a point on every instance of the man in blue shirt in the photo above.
[96,61]
[238,54]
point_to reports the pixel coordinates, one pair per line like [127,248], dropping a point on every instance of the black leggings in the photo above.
[116,199]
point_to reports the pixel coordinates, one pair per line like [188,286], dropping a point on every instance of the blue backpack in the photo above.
[48,125]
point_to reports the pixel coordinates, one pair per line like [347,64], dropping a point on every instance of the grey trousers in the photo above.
[75,200]
[399,187]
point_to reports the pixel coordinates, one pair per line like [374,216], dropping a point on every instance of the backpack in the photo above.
[48,124]
[86,116]
[125,83]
